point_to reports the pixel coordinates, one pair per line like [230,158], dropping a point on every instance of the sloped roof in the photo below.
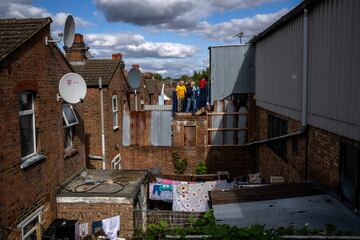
[93,69]
[151,85]
[15,32]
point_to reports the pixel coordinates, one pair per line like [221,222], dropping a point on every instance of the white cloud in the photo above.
[179,15]
[24,9]
[251,26]
[134,46]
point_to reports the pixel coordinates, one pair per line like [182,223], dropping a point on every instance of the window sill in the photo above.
[32,160]
[115,128]
[69,152]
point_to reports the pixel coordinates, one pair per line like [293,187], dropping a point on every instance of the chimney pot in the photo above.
[117,56]
[78,38]
[136,66]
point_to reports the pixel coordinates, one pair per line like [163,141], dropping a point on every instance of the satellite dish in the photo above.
[134,76]
[87,54]
[69,31]
[72,88]
[68,35]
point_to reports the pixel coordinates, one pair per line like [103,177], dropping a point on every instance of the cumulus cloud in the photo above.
[180,15]
[25,9]
[169,67]
[251,26]
[135,46]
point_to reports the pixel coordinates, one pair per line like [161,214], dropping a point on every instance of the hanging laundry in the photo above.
[160,191]
[96,226]
[111,226]
[84,229]
[168,181]
[194,197]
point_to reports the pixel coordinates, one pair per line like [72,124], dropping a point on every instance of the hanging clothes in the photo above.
[194,197]
[168,181]
[96,226]
[111,226]
[158,191]
[84,229]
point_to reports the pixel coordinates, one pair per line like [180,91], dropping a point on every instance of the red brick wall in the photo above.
[92,116]
[23,191]
[236,160]
[94,212]
[323,155]
[270,164]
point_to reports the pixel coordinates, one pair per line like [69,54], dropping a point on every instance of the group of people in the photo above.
[191,97]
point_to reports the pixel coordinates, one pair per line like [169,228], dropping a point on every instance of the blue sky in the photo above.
[167,36]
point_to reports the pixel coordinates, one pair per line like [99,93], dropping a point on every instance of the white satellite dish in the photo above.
[72,88]
[68,34]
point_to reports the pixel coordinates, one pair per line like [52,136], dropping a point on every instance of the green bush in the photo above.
[180,164]
[207,226]
[201,168]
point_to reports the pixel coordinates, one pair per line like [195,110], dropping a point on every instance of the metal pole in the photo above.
[305,69]
[102,123]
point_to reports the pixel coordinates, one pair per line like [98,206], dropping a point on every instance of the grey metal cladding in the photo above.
[232,70]
[278,71]
[334,68]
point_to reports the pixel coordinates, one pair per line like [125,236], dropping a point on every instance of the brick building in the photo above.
[102,147]
[38,152]
[307,94]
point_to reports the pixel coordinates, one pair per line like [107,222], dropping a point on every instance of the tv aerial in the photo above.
[72,88]
[68,35]
[134,77]
[239,35]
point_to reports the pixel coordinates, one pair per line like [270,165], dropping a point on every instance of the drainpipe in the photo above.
[136,107]
[305,70]
[102,122]
[305,88]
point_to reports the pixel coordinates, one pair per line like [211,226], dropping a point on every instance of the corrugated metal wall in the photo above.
[278,62]
[147,128]
[232,71]
[334,68]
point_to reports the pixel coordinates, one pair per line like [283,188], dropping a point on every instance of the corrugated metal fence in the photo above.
[147,128]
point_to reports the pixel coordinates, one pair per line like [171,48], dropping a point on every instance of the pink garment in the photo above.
[168,181]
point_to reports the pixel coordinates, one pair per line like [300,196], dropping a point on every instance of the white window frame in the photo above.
[116,162]
[115,110]
[65,119]
[30,112]
[36,214]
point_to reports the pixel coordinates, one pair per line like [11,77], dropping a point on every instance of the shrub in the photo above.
[180,164]
[201,168]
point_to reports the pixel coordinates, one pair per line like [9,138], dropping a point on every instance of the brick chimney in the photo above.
[136,66]
[76,53]
[117,56]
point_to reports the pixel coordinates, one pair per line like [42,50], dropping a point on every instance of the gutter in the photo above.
[300,132]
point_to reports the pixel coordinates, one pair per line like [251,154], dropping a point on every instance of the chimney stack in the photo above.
[117,56]
[136,66]
[76,53]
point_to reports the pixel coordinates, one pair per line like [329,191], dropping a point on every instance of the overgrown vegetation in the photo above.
[180,164]
[201,168]
[207,226]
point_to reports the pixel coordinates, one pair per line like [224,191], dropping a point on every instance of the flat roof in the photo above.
[103,186]
[283,205]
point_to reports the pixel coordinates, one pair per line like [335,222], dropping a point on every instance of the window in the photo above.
[116,162]
[115,112]
[277,127]
[70,120]
[28,225]
[27,125]
[69,115]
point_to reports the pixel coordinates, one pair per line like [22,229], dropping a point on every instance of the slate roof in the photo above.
[15,32]
[151,85]
[93,69]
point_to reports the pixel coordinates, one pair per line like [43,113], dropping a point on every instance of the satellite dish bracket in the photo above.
[47,40]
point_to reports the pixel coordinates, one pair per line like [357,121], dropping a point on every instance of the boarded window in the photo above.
[277,127]
[189,136]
